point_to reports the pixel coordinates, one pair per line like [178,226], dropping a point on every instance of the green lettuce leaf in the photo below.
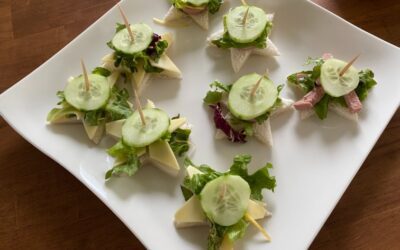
[226,41]
[118,106]
[214,5]
[367,82]
[101,71]
[179,141]
[257,181]
[128,158]
[321,108]
[218,232]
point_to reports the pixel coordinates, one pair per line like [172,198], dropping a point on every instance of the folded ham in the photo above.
[310,99]
[353,102]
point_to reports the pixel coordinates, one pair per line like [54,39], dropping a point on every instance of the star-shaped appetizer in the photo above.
[197,10]
[334,85]
[246,31]
[140,53]
[245,107]
[227,202]
[93,100]
[158,141]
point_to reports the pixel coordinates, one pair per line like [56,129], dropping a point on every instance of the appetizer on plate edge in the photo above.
[334,85]
[227,202]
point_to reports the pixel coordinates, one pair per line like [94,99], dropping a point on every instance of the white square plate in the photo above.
[314,161]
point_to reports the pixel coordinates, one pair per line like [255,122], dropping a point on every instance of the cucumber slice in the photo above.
[142,33]
[137,135]
[334,84]
[225,199]
[97,96]
[198,2]
[253,28]
[246,107]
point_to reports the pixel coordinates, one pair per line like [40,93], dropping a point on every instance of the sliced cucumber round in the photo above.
[135,134]
[245,106]
[334,84]
[251,29]
[225,199]
[142,34]
[198,2]
[95,98]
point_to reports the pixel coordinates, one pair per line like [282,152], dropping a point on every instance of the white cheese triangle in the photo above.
[263,132]
[114,128]
[140,78]
[113,78]
[161,154]
[176,123]
[201,19]
[190,171]
[170,69]
[95,133]
[190,214]
[150,104]
[239,57]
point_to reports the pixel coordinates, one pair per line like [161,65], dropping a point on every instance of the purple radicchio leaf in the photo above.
[152,46]
[222,124]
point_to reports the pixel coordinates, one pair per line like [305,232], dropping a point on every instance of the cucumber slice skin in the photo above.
[245,107]
[198,3]
[254,27]
[136,135]
[225,199]
[143,35]
[334,84]
[97,96]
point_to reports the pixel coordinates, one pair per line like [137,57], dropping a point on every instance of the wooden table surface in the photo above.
[42,206]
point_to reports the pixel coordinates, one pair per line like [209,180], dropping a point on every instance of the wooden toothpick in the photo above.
[254,90]
[85,76]
[127,25]
[258,226]
[245,16]
[348,66]
[139,106]
[244,2]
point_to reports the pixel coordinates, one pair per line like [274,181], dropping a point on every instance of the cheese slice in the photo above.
[176,123]
[239,57]
[95,133]
[114,128]
[150,104]
[226,244]
[190,171]
[161,154]
[191,213]
[263,132]
[174,14]
[201,19]
[170,69]
[140,78]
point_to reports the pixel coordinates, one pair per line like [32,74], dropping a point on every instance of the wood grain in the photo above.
[43,207]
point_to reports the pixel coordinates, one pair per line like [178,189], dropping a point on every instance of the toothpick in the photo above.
[258,226]
[244,2]
[85,76]
[245,16]
[348,66]
[127,25]
[254,90]
[139,106]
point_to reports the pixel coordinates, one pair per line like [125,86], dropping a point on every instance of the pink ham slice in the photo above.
[310,99]
[327,56]
[353,102]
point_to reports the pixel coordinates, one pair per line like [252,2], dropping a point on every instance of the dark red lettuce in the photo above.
[222,124]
